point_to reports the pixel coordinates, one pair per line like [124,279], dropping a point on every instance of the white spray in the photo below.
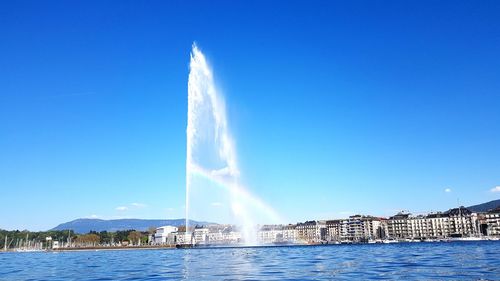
[207,122]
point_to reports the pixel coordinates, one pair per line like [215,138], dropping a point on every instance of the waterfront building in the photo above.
[215,237]
[306,231]
[334,230]
[172,238]
[375,228]
[270,234]
[182,237]
[490,223]
[163,233]
[290,233]
[222,234]
[398,225]
[312,231]
[437,226]
[418,227]
[457,222]
[321,230]
[231,236]
[201,235]
[462,222]
[356,228]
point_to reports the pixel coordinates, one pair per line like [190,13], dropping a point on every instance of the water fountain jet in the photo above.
[211,154]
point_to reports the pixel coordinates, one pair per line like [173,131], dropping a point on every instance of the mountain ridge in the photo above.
[85,225]
[485,207]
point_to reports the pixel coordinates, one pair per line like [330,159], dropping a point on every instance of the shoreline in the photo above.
[120,248]
[174,247]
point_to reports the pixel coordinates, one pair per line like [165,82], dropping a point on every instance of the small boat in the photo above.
[472,238]
[184,246]
[389,241]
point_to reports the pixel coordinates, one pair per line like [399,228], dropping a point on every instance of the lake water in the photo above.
[404,261]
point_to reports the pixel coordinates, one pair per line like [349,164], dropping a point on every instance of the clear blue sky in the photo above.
[337,107]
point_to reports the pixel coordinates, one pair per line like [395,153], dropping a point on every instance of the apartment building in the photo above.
[490,223]
[457,222]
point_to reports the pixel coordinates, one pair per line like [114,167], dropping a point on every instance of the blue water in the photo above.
[405,261]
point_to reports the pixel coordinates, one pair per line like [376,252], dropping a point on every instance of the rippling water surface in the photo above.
[405,261]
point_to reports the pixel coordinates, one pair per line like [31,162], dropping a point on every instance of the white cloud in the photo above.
[139,205]
[495,189]
[121,208]
[93,216]
[216,204]
[448,190]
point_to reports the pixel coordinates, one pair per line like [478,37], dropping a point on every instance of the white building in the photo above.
[182,238]
[491,223]
[458,222]
[201,235]
[290,233]
[222,234]
[356,228]
[163,233]
[269,234]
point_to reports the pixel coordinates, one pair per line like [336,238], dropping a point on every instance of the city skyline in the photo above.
[336,109]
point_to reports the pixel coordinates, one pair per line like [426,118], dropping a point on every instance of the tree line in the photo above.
[93,238]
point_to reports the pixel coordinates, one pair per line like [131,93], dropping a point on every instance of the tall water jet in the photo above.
[212,172]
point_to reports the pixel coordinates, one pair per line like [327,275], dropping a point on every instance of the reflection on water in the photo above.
[407,261]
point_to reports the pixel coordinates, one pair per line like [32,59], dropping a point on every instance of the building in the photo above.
[398,225]
[182,237]
[356,228]
[269,234]
[457,222]
[437,226]
[334,230]
[312,231]
[290,233]
[490,223]
[231,236]
[223,234]
[163,235]
[462,222]
[279,233]
[201,235]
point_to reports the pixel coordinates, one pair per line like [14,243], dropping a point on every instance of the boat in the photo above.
[389,241]
[471,238]
[184,246]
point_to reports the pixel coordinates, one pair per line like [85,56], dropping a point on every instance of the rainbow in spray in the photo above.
[211,161]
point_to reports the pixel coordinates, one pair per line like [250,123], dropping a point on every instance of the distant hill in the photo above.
[485,207]
[86,225]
